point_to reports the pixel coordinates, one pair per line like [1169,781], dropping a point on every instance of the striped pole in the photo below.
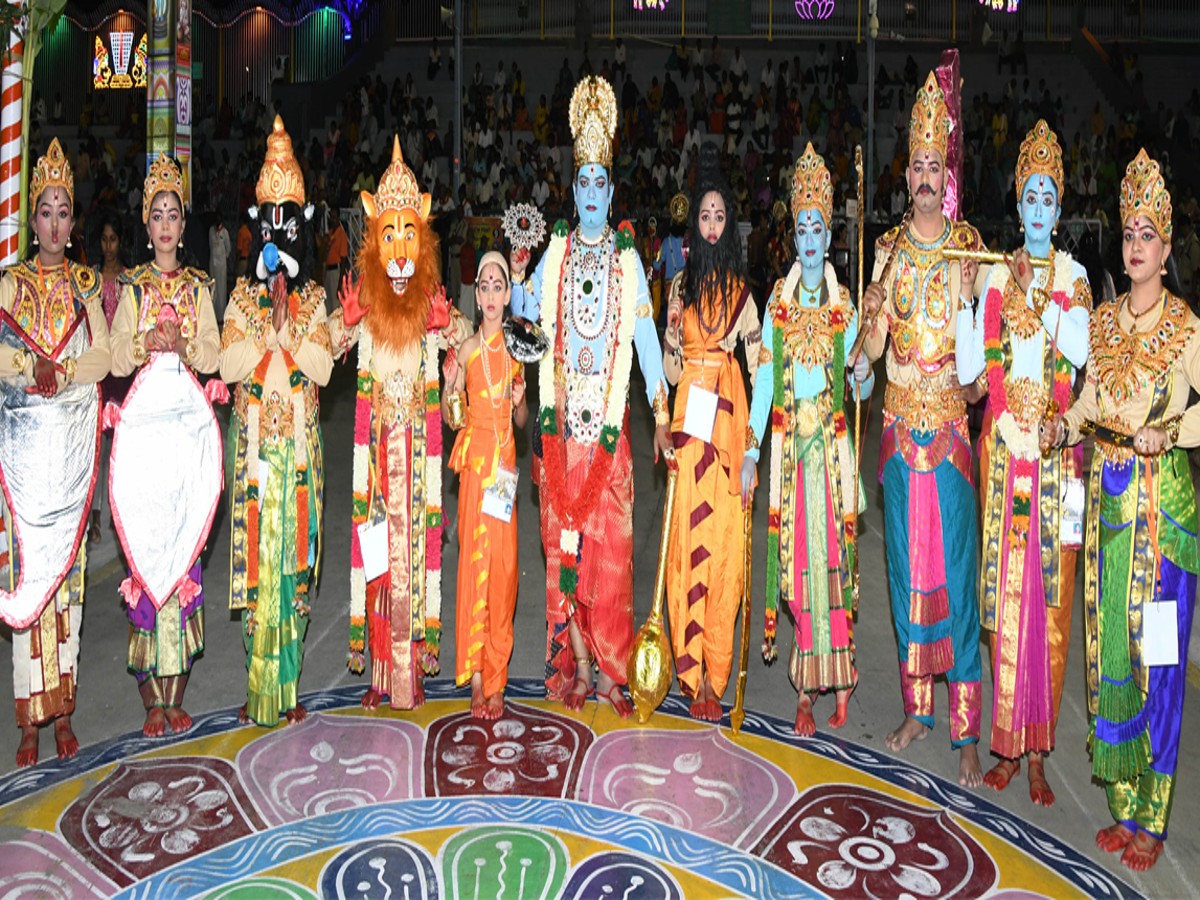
[11,139]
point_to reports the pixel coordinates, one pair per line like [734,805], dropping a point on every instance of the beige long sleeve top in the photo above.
[44,303]
[146,291]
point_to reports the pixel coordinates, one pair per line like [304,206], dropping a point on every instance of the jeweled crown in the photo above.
[1040,154]
[812,185]
[164,175]
[52,170]
[398,188]
[1144,193]
[280,179]
[929,125]
[593,117]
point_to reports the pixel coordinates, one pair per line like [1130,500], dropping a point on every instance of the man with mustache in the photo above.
[590,293]
[925,462]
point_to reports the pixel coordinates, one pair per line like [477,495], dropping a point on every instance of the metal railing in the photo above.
[910,20]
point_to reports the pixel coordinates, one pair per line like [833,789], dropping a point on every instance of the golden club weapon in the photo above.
[865,327]
[858,165]
[738,714]
[649,668]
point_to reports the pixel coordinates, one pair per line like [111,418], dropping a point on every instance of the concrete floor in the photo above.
[108,702]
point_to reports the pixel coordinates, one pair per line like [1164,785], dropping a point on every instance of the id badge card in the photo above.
[373,543]
[701,413]
[1071,527]
[500,496]
[1160,634]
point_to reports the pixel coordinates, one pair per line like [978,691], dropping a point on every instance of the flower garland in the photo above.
[783,466]
[575,511]
[1022,442]
[362,487]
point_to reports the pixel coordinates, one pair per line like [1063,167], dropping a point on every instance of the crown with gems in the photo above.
[929,126]
[812,186]
[280,179]
[1144,193]
[398,188]
[52,170]
[1040,155]
[164,175]
[593,116]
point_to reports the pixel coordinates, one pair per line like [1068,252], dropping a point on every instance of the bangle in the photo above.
[1171,427]
[1040,301]
[751,440]
[20,359]
[69,369]
[139,349]
[662,415]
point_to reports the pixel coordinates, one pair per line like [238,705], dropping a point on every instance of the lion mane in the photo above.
[398,321]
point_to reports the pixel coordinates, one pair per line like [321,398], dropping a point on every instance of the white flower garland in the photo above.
[617,393]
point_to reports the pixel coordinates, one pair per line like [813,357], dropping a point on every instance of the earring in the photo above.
[68,242]
[180,244]
[35,240]
[1163,270]
[149,244]
[1022,228]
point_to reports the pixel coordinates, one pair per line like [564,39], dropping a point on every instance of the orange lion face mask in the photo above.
[399,245]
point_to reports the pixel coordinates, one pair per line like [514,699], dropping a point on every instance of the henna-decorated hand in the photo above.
[45,374]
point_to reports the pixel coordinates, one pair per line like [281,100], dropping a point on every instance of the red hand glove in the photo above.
[348,296]
[439,310]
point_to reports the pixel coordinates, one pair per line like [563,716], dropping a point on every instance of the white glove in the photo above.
[749,479]
[862,368]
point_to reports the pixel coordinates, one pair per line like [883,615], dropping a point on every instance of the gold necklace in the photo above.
[1137,316]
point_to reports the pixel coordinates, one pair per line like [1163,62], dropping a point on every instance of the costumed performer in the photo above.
[1029,338]
[1140,546]
[165,308]
[709,310]
[589,291]
[398,315]
[925,461]
[275,347]
[810,327]
[485,458]
[54,349]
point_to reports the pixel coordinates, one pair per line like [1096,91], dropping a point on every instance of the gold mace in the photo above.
[858,165]
[738,714]
[991,256]
[649,667]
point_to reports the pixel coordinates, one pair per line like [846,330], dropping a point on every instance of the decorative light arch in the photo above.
[814,9]
[1002,5]
[656,5]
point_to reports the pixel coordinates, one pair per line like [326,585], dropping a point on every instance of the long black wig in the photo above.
[713,270]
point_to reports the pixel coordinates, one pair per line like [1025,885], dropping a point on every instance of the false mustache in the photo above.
[924,189]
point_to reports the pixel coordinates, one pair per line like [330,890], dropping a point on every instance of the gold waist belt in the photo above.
[924,410]
[1027,401]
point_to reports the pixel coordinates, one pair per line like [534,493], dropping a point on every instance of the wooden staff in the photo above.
[865,327]
[858,165]
[738,713]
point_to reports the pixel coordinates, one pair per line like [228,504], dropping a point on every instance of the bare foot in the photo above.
[707,706]
[243,716]
[156,722]
[804,725]
[999,775]
[970,773]
[1142,852]
[1113,838]
[178,720]
[64,738]
[478,701]
[296,715]
[910,730]
[370,700]
[1039,788]
[615,697]
[842,712]
[493,707]
[27,750]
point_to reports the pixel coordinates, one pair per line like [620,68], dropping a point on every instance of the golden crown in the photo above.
[593,116]
[929,126]
[52,170]
[812,186]
[398,188]
[1144,193]
[280,179]
[164,175]
[1040,155]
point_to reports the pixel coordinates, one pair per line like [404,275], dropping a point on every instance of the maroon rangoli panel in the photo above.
[526,752]
[854,842]
[146,816]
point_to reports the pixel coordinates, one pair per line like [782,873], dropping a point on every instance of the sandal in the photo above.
[615,697]
[574,699]
[999,775]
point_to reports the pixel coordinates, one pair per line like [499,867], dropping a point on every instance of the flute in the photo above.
[990,256]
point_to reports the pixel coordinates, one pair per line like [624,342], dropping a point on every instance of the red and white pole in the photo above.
[11,140]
